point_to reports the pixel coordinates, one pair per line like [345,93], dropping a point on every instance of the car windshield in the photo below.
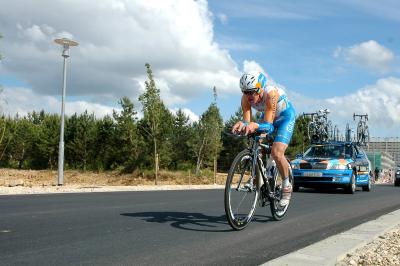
[329,151]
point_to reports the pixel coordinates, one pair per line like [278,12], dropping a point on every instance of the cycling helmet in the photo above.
[253,81]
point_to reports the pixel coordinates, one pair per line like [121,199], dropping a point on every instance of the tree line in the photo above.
[122,141]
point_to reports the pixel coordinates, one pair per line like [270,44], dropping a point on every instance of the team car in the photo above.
[397,177]
[332,164]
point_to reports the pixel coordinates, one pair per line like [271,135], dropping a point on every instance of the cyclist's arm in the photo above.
[270,108]
[270,111]
[246,108]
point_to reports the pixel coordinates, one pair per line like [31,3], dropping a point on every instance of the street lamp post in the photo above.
[66,43]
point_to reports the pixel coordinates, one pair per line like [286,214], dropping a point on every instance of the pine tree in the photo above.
[36,158]
[300,139]
[157,121]
[81,143]
[107,146]
[48,140]
[206,144]
[231,146]
[180,137]
[126,137]
[4,137]
[21,143]
[166,148]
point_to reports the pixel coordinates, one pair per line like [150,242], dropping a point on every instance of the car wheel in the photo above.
[296,188]
[351,188]
[367,187]
[397,182]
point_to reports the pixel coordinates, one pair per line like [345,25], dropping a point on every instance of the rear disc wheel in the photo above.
[278,211]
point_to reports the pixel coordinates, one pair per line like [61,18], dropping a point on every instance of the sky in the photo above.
[340,55]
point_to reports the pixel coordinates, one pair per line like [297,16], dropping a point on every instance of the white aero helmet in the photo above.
[253,81]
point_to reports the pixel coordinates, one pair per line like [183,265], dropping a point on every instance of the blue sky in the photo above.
[341,55]
[295,42]
[298,51]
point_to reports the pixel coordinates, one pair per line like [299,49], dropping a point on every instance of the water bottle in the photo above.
[270,167]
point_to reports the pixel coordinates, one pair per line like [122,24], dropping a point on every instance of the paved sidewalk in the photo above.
[333,249]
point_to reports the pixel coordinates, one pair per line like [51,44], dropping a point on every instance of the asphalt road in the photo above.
[171,227]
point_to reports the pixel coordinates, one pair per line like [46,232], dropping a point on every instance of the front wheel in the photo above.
[240,191]
[278,211]
[351,187]
[311,132]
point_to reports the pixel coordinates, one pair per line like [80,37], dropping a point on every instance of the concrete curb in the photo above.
[333,249]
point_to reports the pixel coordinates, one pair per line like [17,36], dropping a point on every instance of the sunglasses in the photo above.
[250,92]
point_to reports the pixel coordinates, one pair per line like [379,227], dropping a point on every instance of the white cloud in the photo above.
[252,66]
[381,101]
[116,38]
[223,18]
[368,54]
[192,116]
[95,108]
[23,101]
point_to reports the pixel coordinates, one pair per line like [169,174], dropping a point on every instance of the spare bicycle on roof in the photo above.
[319,128]
[362,129]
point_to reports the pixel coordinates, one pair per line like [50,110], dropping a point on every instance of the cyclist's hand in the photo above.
[238,127]
[250,128]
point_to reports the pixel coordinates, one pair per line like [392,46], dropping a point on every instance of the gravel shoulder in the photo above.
[384,250]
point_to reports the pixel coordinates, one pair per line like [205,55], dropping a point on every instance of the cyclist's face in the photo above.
[252,96]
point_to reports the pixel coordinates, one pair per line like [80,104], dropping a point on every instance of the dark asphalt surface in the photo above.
[172,227]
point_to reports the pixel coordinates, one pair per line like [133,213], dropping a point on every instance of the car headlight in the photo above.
[338,167]
[295,166]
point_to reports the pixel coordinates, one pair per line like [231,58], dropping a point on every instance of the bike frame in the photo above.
[258,164]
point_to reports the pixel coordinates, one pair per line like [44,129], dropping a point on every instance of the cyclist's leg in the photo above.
[278,153]
[285,127]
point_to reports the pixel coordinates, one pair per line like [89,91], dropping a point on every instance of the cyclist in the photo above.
[278,114]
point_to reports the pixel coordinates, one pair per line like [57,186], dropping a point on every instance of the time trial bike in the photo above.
[254,179]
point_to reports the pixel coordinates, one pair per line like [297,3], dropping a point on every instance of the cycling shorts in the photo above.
[284,124]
